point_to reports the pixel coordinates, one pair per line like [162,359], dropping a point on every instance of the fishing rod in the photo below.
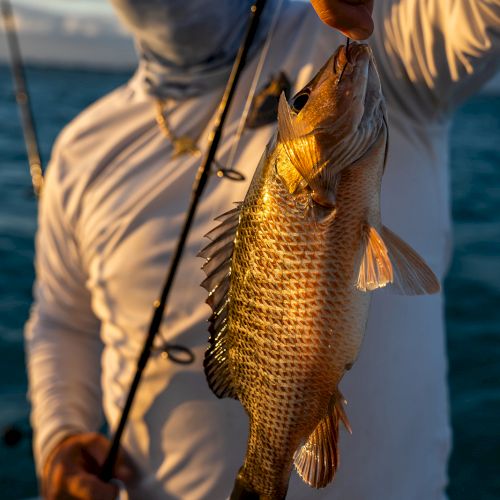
[11,435]
[23,99]
[202,175]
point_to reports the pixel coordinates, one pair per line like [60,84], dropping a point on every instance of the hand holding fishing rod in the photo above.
[74,468]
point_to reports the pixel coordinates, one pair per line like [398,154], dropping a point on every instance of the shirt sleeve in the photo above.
[63,346]
[436,53]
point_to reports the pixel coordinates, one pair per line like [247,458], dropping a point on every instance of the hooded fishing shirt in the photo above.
[112,210]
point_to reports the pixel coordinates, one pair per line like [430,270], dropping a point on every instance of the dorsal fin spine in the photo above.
[218,254]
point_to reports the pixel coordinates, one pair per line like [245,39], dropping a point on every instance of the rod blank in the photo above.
[22,98]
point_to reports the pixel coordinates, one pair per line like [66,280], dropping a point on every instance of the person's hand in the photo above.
[351,17]
[72,468]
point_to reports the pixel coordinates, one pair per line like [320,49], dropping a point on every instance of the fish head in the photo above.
[344,95]
[335,119]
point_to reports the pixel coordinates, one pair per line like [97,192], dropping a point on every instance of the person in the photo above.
[115,194]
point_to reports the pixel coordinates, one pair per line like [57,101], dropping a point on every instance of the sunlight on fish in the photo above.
[290,270]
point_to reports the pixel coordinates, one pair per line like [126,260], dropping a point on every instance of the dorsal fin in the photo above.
[317,460]
[219,254]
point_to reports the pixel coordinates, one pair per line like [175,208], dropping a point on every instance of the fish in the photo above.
[290,271]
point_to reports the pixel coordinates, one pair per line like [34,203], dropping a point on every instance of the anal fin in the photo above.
[317,460]
[340,402]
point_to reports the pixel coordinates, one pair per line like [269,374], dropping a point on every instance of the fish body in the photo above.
[290,269]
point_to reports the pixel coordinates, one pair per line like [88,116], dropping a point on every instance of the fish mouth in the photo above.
[351,56]
[350,61]
[351,66]
[354,69]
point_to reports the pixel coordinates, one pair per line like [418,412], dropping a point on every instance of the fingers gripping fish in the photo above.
[289,271]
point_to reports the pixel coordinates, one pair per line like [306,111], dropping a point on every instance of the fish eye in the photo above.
[300,100]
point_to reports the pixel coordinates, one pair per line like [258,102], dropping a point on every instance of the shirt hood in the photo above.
[187,47]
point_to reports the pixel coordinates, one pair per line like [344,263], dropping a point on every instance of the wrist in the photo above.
[53,451]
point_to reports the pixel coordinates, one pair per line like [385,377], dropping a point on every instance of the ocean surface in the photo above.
[472,287]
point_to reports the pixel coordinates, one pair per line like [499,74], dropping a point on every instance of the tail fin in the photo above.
[242,491]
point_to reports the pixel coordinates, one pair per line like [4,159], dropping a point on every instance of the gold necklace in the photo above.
[186,145]
[182,144]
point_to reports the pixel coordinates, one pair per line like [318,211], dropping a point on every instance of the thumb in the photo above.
[123,469]
[351,17]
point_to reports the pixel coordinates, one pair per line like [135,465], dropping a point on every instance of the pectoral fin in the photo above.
[304,166]
[298,144]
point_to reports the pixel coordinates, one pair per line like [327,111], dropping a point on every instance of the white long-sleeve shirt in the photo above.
[112,210]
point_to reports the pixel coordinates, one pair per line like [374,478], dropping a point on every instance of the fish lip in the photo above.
[362,56]
[350,56]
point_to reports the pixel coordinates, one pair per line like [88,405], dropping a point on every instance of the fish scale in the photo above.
[290,271]
[305,288]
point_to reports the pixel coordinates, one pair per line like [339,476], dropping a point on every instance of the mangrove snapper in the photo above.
[290,271]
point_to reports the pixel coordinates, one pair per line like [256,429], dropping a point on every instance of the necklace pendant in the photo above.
[181,145]
[185,145]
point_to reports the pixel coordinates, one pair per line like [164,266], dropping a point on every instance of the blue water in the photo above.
[472,288]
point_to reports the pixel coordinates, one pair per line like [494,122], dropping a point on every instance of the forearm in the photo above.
[62,336]
[64,381]
[433,54]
